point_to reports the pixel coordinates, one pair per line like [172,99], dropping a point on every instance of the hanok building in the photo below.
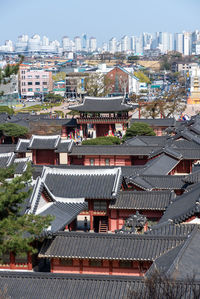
[111,254]
[102,116]
[44,150]
[97,186]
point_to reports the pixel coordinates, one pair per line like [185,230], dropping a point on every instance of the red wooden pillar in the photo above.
[110,268]
[12,260]
[139,110]
[51,263]
[80,266]
[29,260]
[64,132]
[34,156]
[90,206]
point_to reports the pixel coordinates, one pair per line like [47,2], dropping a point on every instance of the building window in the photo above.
[30,89]
[100,205]
[30,83]
[37,83]
[44,76]
[92,162]
[95,263]
[45,89]
[29,76]
[37,76]
[125,264]
[107,162]
[44,83]
[66,262]
[37,89]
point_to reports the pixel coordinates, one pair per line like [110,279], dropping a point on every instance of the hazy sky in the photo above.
[102,19]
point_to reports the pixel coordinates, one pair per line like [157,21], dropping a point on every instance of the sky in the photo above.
[102,19]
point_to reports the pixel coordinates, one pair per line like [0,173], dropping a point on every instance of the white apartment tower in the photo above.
[77,44]
[92,44]
[113,45]
[187,42]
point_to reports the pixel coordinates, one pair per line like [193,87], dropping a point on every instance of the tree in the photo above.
[133,58]
[53,98]
[108,140]
[159,285]
[13,130]
[60,76]
[17,231]
[142,77]
[139,129]
[97,85]
[6,109]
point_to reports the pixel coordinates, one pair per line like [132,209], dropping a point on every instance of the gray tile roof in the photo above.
[183,207]
[70,185]
[108,246]
[64,213]
[34,285]
[20,165]
[163,122]
[93,104]
[96,184]
[6,159]
[192,178]
[112,150]
[44,142]
[150,182]
[7,148]
[162,165]
[146,200]
[147,141]
[182,262]
[171,229]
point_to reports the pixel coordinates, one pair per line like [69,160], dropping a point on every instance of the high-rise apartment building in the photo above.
[178,41]
[92,44]
[113,45]
[77,44]
[66,43]
[125,44]
[187,43]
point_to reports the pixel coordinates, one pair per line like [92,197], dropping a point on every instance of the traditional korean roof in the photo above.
[74,286]
[22,145]
[182,262]
[97,104]
[44,142]
[71,185]
[161,122]
[112,150]
[171,229]
[192,178]
[63,213]
[179,153]
[20,165]
[162,165]
[6,159]
[147,141]
[183,207]
[146,200]
[7,148]
[108,246]
[54,142]
[150,182]
[127,171]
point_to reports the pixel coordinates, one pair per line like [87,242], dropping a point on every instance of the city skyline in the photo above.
[103,20]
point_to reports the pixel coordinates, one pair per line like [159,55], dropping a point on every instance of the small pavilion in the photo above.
[102,116]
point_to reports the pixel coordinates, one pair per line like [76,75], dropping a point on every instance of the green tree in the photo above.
[97,85]
[13,130]
[53,98]
[139,129]
[59,76]
[6,109]
[17,231]
[108,140]
[133,58]
[142,77]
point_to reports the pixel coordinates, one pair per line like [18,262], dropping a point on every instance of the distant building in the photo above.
[34,82]
[92,44]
